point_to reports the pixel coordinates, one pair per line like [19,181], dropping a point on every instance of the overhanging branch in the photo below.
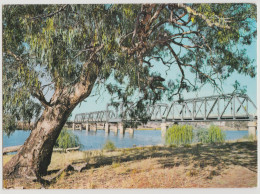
[62,8]
[36,92]
[209,22]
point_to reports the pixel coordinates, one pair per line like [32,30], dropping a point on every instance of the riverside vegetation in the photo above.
[66,140]
[178,164]
[184,134]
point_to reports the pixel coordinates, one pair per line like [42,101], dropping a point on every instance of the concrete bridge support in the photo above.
[115,130]
[107,128]
[121,128]
[131,132]
[163,128]
[73,126]
[87,127]
[112,127]
[93,127]
[80,127]
[252,126]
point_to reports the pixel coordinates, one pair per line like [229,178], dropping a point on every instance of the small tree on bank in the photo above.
[212,135]
[67,139]
[67,50]
[179,134]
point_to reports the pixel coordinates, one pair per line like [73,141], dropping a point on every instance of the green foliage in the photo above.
[179,134]
[109,146]
[238,88]
[216,135]
[212,135]
[47,47]
[66,140]
[202,135]
[8,124]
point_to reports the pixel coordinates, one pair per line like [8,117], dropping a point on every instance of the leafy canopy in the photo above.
[49,48]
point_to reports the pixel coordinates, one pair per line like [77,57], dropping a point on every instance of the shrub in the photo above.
[213,135]
[202,135]
[216,135]
[179,134]
[109,145]
[66,140]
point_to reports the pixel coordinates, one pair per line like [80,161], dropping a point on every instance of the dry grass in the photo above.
[6,158]
[149,173]
[196,166]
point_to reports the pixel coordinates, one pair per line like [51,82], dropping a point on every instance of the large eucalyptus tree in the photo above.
[66,50]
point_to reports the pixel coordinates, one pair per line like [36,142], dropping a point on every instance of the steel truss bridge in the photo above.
[226,107]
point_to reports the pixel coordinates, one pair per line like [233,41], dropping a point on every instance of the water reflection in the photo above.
[121,135]
[131,135]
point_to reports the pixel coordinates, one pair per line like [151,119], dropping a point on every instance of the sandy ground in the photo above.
[232,165]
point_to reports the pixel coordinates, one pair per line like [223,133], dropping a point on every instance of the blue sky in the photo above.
[98,102]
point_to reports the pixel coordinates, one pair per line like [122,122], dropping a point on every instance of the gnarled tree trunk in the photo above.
[33,158]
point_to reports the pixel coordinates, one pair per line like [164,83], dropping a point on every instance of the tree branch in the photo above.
[36,92]
[185,46]
[39,95]
[188,65]
[179,65]
[95,51]
[62,8]
[208,21]
[156,14]
[83,87]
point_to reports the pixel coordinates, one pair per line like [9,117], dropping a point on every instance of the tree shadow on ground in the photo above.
[220,156]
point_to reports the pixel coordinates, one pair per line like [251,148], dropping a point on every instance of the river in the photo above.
[95,140]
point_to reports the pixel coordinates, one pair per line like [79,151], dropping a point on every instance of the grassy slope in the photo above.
[228,165]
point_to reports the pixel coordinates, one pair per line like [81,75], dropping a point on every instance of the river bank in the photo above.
[232,164]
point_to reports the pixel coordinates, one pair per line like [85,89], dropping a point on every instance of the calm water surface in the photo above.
[92,140]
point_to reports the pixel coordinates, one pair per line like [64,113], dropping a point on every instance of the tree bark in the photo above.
[33,158]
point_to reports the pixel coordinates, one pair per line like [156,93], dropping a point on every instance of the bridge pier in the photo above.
[163,128]
[115,130]
[252,126]
[121,128]
[107,128]
[131,132]
[87,127]
[93,127]
[80,127]
[73,126]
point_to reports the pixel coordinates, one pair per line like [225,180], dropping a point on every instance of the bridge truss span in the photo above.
[226,107]
[213,108]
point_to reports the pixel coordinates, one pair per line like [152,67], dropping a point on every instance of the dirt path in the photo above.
[199,166]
